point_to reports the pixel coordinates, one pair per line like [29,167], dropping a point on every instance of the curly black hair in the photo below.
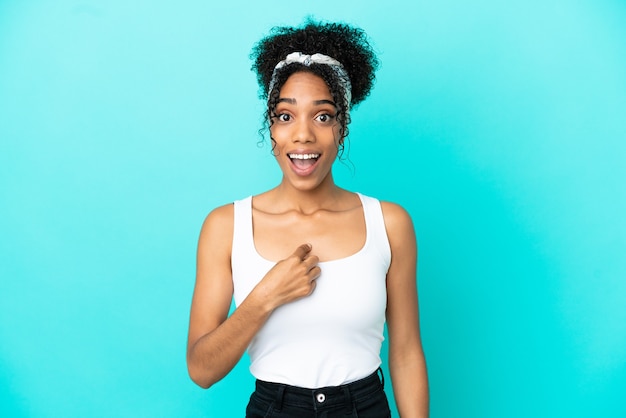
[347,44]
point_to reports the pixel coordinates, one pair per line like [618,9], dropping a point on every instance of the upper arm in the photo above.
[213,290]
[402,302]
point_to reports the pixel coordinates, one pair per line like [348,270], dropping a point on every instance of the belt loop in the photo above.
[382,376]
[279,398]
[347,399]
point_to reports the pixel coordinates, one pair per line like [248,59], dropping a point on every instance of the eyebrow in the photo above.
[316,102]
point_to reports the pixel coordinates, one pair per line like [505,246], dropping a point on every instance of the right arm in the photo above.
[216,342]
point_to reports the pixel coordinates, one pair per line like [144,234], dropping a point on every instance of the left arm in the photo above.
[406,356]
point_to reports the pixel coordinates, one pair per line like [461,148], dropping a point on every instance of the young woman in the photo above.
[315,270]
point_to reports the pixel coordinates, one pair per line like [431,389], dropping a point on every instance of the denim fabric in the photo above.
[364,398]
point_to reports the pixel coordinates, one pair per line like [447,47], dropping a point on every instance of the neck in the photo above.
[324,196]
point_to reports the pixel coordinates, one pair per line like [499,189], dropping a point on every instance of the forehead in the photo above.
[304,83]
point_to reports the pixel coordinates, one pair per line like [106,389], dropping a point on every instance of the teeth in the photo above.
[303,156]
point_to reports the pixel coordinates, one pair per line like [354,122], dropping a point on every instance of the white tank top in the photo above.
[333,336]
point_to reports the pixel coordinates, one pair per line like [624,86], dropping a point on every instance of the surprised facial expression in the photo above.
[305,131]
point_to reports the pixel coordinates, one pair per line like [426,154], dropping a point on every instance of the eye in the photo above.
[283,117]
[325,118]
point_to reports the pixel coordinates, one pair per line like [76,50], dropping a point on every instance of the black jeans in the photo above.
[364,398]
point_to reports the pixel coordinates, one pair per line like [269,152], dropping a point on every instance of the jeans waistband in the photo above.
[321,397]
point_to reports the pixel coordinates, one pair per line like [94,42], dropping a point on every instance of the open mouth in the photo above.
[303,161]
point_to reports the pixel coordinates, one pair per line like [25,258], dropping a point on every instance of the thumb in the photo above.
[302,251]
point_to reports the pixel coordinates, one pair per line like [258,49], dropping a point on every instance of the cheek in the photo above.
[276,133]
[279,129]
[337,134]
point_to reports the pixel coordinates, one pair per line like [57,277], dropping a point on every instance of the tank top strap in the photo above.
[375,225]
[243,244]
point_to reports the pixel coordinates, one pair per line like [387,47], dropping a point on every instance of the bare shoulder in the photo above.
[217,229]
[397,221]
[220,215]
[394,212]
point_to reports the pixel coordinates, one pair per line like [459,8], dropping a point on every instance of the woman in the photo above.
[314,269]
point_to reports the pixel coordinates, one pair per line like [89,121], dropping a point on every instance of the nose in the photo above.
[303,132]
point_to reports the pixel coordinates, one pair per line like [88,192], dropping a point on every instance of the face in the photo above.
[305,131]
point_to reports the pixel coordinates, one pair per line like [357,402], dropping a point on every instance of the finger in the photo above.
[314,274]
[311,261]
[302,251]
[312,288]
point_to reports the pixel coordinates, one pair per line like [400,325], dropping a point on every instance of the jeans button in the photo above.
[320,397]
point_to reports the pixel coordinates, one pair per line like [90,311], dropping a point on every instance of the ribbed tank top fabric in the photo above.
[333,336]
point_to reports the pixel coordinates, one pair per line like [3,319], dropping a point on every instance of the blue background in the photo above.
[499,125]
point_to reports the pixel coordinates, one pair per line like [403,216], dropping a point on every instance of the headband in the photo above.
[307,60]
